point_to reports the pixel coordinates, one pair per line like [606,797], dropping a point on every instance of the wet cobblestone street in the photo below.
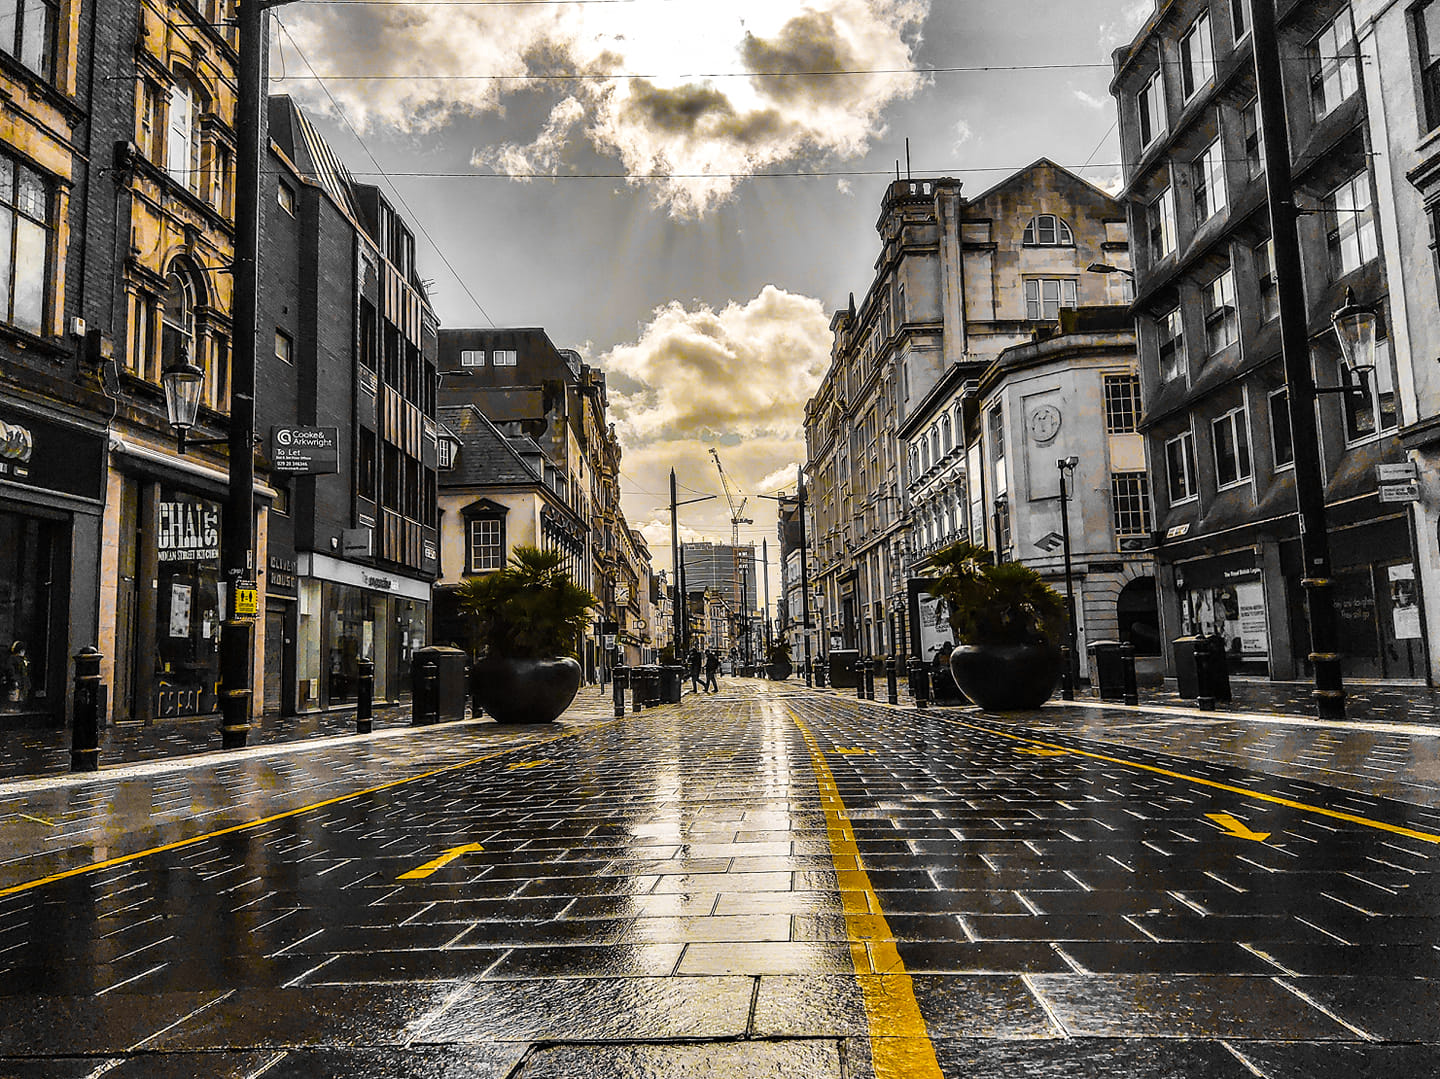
[767,881]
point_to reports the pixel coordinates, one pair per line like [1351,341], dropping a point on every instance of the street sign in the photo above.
[1404,472]
[305,451]
[1399,492]
[1049,541]
[247,599]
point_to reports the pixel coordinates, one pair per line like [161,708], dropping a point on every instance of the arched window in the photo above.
[177,318]
[1047,230]
[947,442]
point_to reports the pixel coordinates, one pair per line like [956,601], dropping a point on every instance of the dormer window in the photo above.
[1047,230]
[447,449]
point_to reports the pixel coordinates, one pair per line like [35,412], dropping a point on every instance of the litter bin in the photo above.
[671,679]
[844,672]
[1188,683]
[1107,670]
[445,699]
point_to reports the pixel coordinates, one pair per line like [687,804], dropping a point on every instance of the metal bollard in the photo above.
[617,683]
[1067,679]
[1127,671]
[85,723]
[820,675]
[637,689]
[859,678]
[426,705]
[920,681]
[365,698]
[892,688]
[1203,679]
[870,680]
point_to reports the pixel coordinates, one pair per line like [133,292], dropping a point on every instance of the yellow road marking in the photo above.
[178,844]
[423,871]
[37,820]
[1234,827]
[1033,752]
[528,764]
[1273,799]
[900,1045]
[853,751]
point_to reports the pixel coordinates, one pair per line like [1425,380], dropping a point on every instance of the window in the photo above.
[1367,414]
[285,196]
[1281,441]
[27,33]
[444,453]
[1197,62]
[1222,321]
[1180,467]
[947,442]
[1427,39]
[181,143]
[487,547]
[177,319]
[149,134]
[1130,503]
[218,172]
[997,449]
[1254,143]
[1161,215]
[1208,177]
[366,484]
[1122,404]
[1150,109]
[1232,449]
[472,358]
[1239,18]
[1045,296]
[1047,230]
[1334,64]
[284,347]
[1265,277]
[1351,224]
[26,224]
[503,357]
[1172,344]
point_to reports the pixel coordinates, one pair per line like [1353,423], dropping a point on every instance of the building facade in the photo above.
[1216,405]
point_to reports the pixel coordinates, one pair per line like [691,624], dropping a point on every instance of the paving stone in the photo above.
[741,1060]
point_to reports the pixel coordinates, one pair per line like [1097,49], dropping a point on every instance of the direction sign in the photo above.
[1399,492]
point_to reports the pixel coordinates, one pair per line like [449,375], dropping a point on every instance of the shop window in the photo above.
[1282,445]
[26,226]
[1197,63]
[1370,413]
[1180,468]
[1047,230]
[1350,224]
[1150,109]
[1130,503]
[27,33]
[1232,448]
[1122,404]
[1171,327]
[27,552]
[1222,319]
[1045,296]
[1207,175]
[188,615]
[1334,63]
[1161,219]
[1427,40]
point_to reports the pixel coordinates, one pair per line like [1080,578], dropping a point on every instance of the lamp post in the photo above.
[1066,467]
[681,601]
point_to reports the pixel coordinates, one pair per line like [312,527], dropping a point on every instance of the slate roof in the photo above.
[487,458]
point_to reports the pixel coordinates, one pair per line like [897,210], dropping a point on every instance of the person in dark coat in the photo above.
[712,668]
[693,661]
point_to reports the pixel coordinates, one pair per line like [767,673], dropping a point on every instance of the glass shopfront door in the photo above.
[187,608]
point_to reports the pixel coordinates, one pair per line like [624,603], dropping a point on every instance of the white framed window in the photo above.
[502,357]
[1180,468]
[471,357]
[1350,224]
[997,450]
[1044,296]
[1130,503]
[1368,414]
[1047,230]
[1122,404]
[27,225]
[1171,327]
[1232,449]
[1150,109]
[1197,57]
[1334,63]
[1240,19]
[1222,318]
[1161,219]
[1265,278]
[27,33]
[1282,443]
[487,545]
[284,347]
[444,454]
[182,149]
[285,196]
[1208,178]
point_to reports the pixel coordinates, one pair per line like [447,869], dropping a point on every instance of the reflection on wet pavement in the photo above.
[726,887]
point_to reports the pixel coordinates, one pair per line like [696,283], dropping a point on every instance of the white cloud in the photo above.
[1090,101]
[963,134]
[699,101]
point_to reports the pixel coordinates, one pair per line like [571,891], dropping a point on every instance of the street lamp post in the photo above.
[1066,467]
[681,600]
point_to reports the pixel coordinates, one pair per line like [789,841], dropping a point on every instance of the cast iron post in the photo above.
[365,697]
[85,722]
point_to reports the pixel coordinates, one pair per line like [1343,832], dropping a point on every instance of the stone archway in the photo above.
[1137,616]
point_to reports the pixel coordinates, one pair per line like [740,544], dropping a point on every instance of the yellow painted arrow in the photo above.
[1032,751]
[854,750]
[1235,828]
[528,764]
[421,872]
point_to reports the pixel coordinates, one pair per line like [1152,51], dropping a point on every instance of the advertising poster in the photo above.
[1404,602]
[179,609]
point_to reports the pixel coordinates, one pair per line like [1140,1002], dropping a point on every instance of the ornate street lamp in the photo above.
[1066,465]
[183,382]
[1355,325]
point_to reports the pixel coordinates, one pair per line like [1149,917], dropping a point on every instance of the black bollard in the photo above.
[637,689]
[85,722]
[426,706]
[870,679]
[1203,680]
[1067,679]
[618,688]
[820,671]
[920,680]
[365,697]
[859,678]
[1127,672]
[892,688]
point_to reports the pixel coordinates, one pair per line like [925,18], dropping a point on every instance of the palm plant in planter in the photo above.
[524,621]
[1008,627]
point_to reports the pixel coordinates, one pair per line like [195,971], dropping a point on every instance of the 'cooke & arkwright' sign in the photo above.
[305,451]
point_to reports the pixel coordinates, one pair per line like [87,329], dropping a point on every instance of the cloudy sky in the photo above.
[653,183]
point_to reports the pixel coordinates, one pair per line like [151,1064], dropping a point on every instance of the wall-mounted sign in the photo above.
[282,573]
[355,541]
[1399,492]
[187,531]
[305,451]
[1400,472]
[38,453]
[373,580]
[247,599]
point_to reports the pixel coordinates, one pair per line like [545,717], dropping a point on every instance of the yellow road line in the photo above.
[900,1045]
[137,855]
[1274,799]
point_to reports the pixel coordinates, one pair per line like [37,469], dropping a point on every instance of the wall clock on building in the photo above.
[1045,423]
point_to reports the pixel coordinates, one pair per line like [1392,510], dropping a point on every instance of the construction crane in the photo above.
[737,518]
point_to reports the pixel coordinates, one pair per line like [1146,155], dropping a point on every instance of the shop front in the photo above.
[1224,594]
[51,486]
[346,613]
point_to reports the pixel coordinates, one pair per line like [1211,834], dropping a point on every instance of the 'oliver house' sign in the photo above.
[305,451]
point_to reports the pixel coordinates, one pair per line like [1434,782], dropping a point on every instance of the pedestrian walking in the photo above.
[712,668]
[694,662]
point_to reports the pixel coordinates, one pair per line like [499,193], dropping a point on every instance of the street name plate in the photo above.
[1399,492]
[1403,472]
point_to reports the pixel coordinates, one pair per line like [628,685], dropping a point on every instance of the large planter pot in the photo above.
[1007,677]
[778,672]
[524,690]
